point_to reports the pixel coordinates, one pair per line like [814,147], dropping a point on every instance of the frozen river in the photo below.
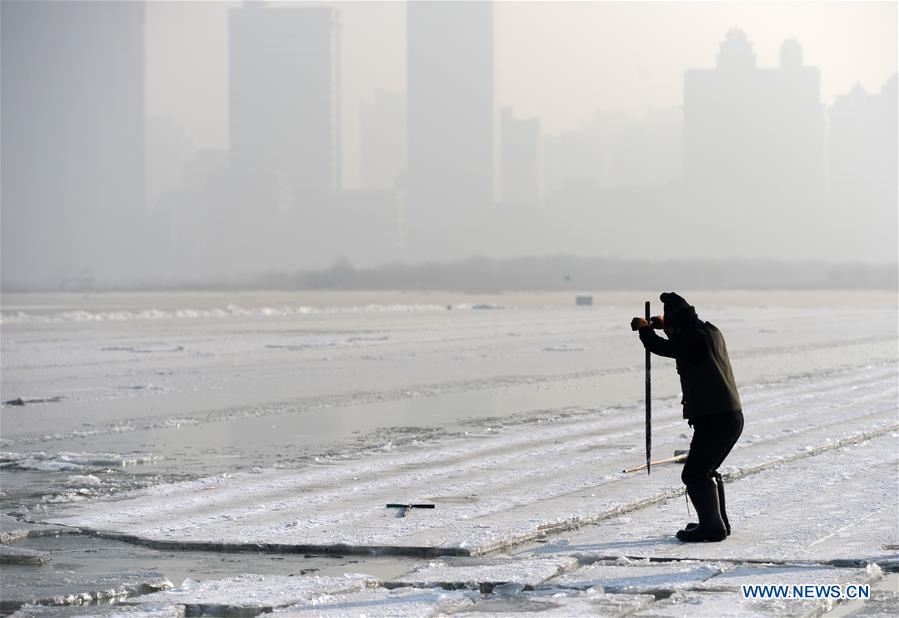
[286,421]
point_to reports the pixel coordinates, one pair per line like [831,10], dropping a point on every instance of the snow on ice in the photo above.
[811,485]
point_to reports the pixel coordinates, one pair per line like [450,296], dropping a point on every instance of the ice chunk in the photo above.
[508,590]
[84,480]
[122,609]
[787,574]
[65,590]
[12,529]
[72,462]
[259,593]
[20,555]
[384,602]
[638,578]
[565,604]
[486,575]
[874,571]
[730,604]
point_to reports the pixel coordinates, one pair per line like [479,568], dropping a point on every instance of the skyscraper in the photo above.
[73,140]
[863,178]
[754,147]
[284,97]
[520,158]
[450,105]
[753,127]
[382,140]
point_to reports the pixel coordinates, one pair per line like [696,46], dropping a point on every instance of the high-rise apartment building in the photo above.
[520,158]
[754,150]
[450,105]
[382,140]
[863,164]
[284,98]
[751,128]
[72,140]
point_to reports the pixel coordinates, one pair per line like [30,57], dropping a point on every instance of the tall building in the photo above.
[450,105]
[574,158]
[520,158]
[284,98]
[169,149]
[863,177]
[754,144]
[72,140]
[746,126]
[647,149]
[382,140]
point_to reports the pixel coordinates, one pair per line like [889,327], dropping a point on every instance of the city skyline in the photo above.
[635,52]
[453,138]
[751,163]
[353,131]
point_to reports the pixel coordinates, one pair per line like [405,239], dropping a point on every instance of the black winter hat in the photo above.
[678,312]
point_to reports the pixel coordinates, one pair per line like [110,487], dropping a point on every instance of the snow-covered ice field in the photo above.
[279,425]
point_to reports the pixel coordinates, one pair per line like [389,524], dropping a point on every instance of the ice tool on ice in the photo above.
[404,508]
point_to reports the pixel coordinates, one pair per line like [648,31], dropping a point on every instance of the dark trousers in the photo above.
[713,438]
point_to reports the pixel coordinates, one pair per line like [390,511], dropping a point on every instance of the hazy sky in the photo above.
[556,60]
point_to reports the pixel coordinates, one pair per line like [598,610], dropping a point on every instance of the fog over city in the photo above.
[195,143]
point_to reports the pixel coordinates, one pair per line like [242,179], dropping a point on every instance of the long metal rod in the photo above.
[674,459]
[648,405]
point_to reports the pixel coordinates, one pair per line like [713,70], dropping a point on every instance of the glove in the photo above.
[638,323]
[657,322]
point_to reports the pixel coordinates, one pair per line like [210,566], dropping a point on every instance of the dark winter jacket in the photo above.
[707,381]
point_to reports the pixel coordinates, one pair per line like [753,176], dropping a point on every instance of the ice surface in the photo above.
[229,311]
[123,609]
[422,602]
[11,529]
[691,595]
[637,577]
[729,605]
[260,593]
[20,555]
[839,506]
[545,437]
[383,602]
[70,589]
[225,369]
[734,576]
[561,603]
[70,462]
[564,348]
[486,575]
[411,601]
[491,492]
[884,600]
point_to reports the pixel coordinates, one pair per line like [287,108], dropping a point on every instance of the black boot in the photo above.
[720,484]
[704,496]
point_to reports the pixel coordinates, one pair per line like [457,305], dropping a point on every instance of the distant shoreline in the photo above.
[527,274]
[265,302]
